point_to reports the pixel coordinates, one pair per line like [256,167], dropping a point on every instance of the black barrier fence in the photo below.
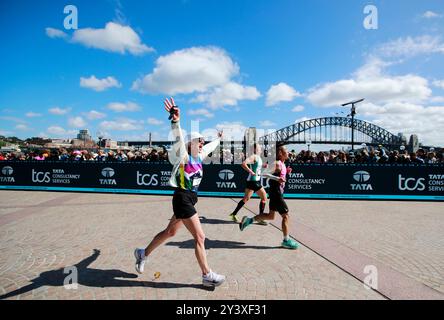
[334,181]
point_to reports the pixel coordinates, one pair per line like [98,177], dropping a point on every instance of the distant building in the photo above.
[58,143]
[84,135]
[109,144]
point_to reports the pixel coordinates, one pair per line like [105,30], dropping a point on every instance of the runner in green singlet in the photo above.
[253,165]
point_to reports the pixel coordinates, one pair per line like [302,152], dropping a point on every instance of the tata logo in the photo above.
[226,175]
[147,179]
[7,171]
[40,177]
[411,184]
[361,177]
[108,173]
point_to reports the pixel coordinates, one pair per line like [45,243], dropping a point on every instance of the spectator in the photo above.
[431,158]
[54,156]
[40,156]
[415,159]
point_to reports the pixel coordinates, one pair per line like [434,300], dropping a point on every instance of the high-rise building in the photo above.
[84,135]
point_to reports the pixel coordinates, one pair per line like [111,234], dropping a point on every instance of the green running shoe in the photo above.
[234,218]
[245,222]
[290,244]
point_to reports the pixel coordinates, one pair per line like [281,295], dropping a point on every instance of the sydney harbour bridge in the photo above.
[338,130]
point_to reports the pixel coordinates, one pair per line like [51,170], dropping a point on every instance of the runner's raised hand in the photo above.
[172,109]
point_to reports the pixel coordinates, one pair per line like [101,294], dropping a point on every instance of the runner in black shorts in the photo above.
[277,203]
[185,178]
[253,165]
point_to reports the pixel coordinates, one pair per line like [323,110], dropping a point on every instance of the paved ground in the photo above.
[42,233]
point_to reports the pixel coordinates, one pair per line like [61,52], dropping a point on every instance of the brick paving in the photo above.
[41,233]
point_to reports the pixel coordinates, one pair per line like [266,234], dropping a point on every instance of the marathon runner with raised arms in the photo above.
[185,178]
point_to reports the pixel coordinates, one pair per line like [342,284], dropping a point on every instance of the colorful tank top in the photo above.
[190,174]
[256,167]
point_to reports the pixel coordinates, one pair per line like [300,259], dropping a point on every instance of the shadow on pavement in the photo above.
[215,221]
[217,244]
[90,277]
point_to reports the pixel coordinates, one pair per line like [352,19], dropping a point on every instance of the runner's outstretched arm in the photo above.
[210,147]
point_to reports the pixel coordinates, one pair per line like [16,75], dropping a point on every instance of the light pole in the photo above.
[100,137]
[308,144]
[352,113]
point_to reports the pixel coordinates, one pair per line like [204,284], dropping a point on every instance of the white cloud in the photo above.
[124,107]
[439,83]
[33,114]
[410,46]
[297,108]
[408,118]
[94,115]
[155,122]
[232,130]
[301,119]
[188,70]
[437,99]
[114,38]
[228,94]
[22,127]
[59,132]
[201,112]
[280,92]
[121,125]
[431,14]
[55,33]
[369,82]
[59,111]
[5,133]
[76,122]
[13,119]
[267,123]
[99,84]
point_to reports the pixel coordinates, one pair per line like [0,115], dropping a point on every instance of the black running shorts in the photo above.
[183,204]
[277,203]
[254,185]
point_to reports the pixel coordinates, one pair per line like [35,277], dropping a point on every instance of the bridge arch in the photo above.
[377,134]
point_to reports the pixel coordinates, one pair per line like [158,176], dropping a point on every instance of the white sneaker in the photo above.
[212,279]
[140,260]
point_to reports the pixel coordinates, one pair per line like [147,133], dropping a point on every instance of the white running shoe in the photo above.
[140,260]
[212,279]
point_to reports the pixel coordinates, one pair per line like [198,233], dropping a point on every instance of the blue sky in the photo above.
[229,64]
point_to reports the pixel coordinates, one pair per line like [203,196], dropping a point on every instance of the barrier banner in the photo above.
[335,181]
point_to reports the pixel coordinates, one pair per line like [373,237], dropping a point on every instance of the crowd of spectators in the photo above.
[364,155]
[150,155]
[367,155]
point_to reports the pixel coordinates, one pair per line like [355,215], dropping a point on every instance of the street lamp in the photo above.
[100,137]
[308,144]
[352,113]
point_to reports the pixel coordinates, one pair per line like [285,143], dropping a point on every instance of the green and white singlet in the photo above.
[256,168]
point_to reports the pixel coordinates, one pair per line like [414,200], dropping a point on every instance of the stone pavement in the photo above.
[42,233]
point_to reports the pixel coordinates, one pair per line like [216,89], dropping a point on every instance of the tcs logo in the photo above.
[411,184]
[41,177]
